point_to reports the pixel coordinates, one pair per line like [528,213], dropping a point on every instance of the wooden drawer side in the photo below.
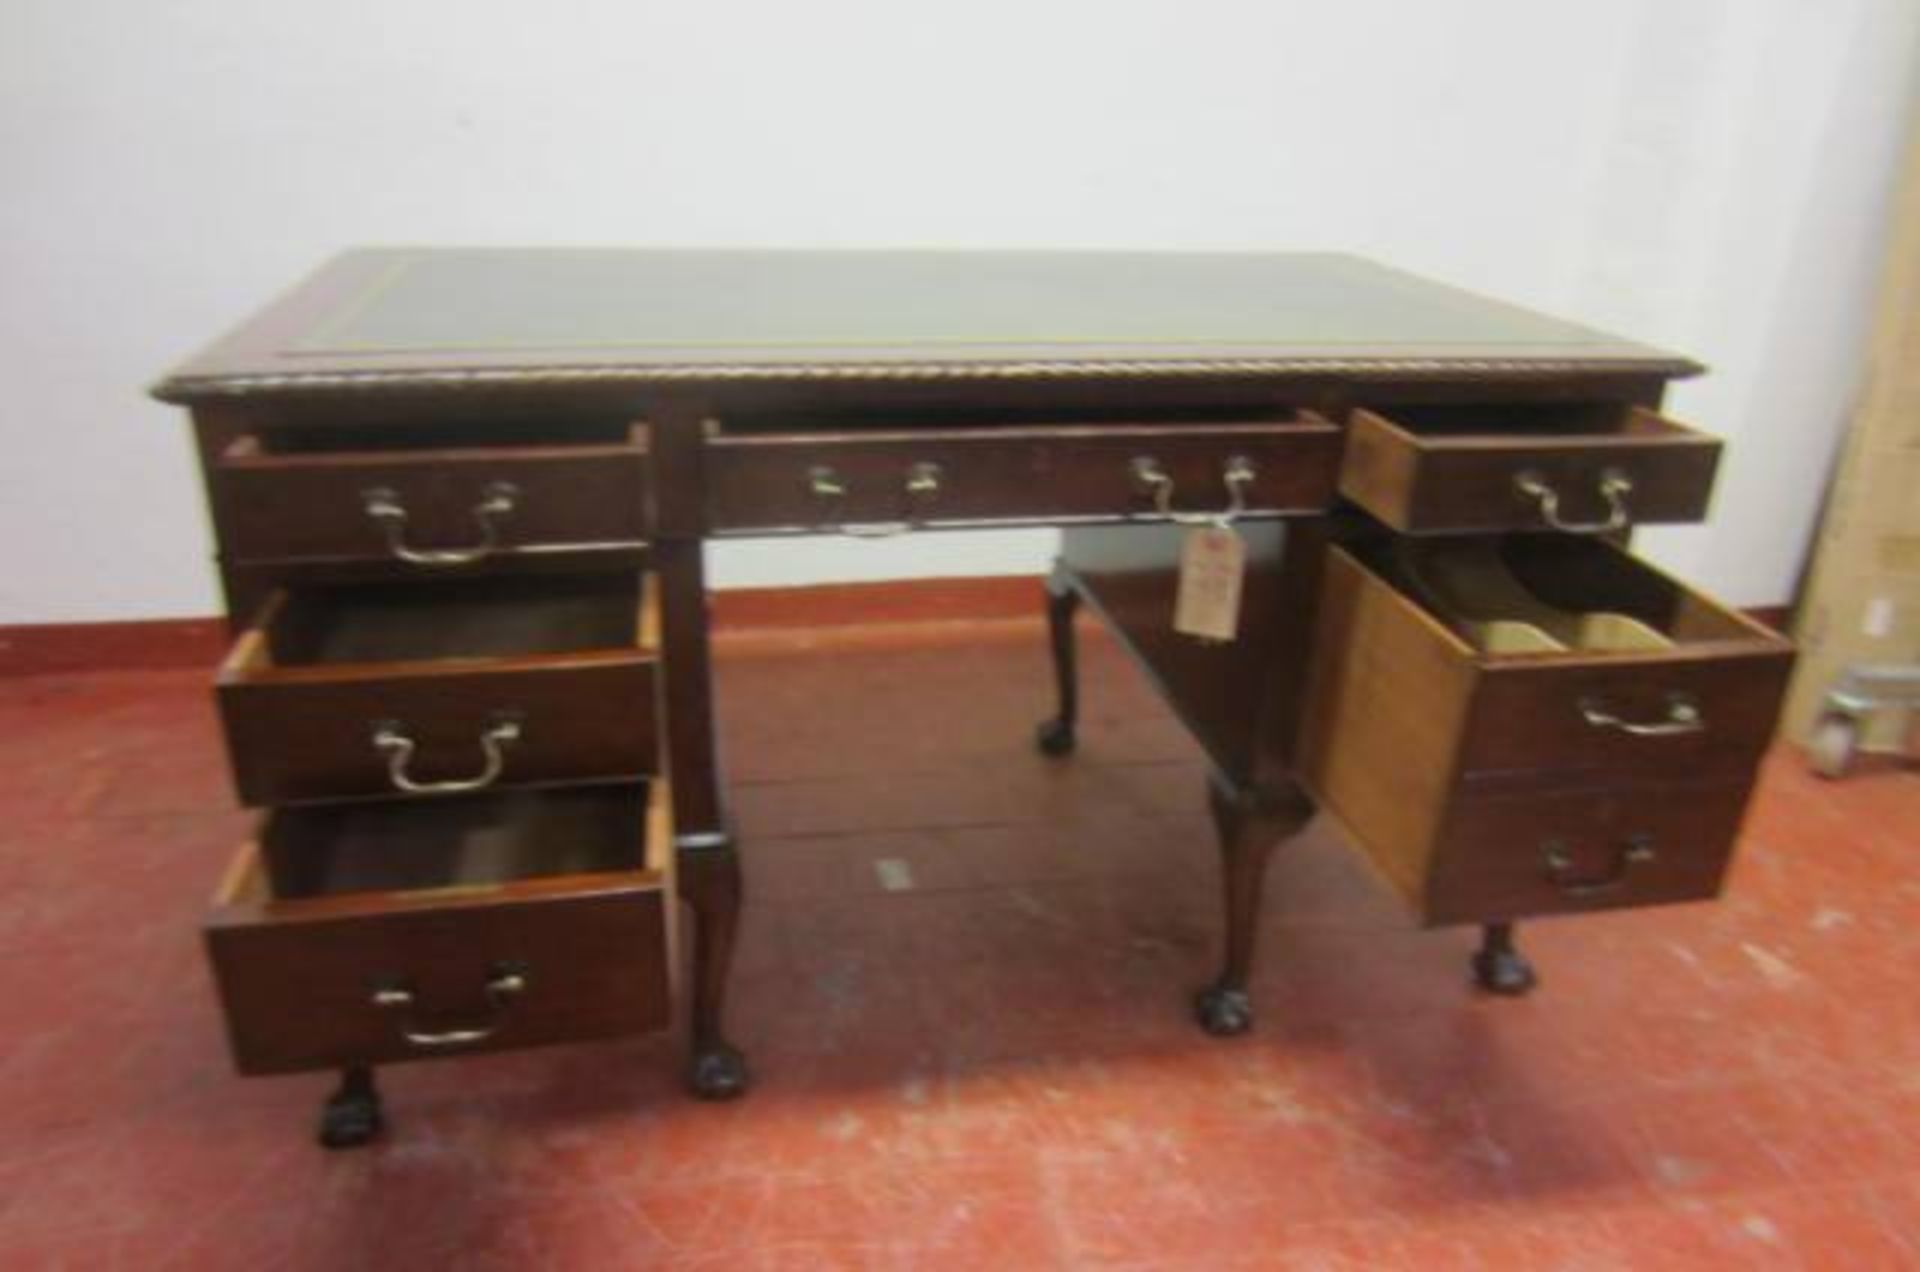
[1387,700]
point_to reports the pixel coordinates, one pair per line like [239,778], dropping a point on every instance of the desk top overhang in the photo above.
[451,318]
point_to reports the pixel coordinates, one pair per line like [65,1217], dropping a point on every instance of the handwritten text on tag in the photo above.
[1213,561]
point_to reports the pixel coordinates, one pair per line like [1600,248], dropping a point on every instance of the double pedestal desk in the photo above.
[462,496]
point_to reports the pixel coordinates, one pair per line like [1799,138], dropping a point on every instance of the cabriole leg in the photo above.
[1251,823]
[1056,736]
[710,883]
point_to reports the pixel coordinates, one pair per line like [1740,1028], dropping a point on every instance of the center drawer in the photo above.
[1533,725]
[367,933]
[433,688]
[878,479]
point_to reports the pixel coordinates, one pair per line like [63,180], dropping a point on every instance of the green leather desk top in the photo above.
[406,317]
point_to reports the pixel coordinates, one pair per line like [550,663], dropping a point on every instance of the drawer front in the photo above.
[432,509]
[380,978]
[1657,473]
[1679,716]
[1624,845]
[348,734]
[933,477]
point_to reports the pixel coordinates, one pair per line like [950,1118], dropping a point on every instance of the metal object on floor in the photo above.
[1862,692]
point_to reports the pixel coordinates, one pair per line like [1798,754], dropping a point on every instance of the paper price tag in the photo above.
[1213,562]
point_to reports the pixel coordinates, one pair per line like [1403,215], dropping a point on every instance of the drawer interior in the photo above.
[1529,421]
[1548,596]
[567,892]
[882,417]
[401,436]
[496,617]
[469,843]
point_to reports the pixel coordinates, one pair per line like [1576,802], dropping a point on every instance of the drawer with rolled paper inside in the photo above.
[345,691]
[441,503]
[1586,468]
[1533,724]
[399,930]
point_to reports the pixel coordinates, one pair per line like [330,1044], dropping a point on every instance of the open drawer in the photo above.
[390,931]
[1605,763]
[1526,466]
[354,690]
[442,503]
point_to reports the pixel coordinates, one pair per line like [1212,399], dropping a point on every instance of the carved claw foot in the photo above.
[1223,1012]
[718,1073]
[351,1116]
[1055,737]
[1505,972]
[1498,967]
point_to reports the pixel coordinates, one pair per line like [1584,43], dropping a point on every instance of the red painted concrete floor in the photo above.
[994,1067]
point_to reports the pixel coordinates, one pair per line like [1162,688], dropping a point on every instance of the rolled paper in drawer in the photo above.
[1471,586]
[1618,634]
[1507,636]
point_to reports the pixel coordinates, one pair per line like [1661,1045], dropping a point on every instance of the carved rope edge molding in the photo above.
[183,389]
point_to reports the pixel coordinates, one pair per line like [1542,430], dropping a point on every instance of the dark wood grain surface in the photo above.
[1454,469]
[312,504]
[1034,473]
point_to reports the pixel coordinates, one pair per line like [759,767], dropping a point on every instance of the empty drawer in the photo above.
[349,691]
[394,931]
[1521,467]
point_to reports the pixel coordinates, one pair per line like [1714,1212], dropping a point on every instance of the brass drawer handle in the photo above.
[1615,486]
[1152,479]
[391,740]
[497,500]
[1683,717]
[921,487]
[504,984]
[1637,850]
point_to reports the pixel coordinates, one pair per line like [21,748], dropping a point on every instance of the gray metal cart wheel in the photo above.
[1830,749]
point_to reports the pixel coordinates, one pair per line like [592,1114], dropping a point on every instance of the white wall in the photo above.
[1704,174]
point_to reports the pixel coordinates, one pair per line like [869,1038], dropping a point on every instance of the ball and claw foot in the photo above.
[1054,737]
[718,1074]
[351,1117]
[1223,1012]
[1503,971]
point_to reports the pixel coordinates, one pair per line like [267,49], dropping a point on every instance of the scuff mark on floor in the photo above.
[895,875]
[843,1126]
[1778,971]
[1679,1170]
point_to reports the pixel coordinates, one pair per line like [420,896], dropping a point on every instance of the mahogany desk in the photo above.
[462,496]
